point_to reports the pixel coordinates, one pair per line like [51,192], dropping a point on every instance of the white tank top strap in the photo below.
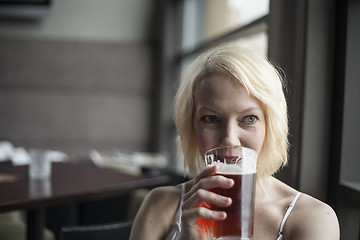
[181,203]
[288,211]
[176,229]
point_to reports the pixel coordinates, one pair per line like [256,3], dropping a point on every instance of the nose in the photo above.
[230,135]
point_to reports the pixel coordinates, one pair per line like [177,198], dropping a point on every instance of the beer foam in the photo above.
[234,169]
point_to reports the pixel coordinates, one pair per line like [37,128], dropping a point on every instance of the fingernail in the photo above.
[230,181]
[222,215]
[227,201]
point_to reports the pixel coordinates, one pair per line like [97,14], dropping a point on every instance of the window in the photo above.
[212,20]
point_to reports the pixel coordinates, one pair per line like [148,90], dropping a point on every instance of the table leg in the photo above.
[35,224]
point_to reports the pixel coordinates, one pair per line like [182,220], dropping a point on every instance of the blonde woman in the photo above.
[232,97]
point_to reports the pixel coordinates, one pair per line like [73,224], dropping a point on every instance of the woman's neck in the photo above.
[265,187]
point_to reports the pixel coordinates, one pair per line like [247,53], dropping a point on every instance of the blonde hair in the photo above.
[261,80]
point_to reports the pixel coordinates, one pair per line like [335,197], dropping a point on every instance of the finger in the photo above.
[208,171]
[202,195]
[213,182]
[191,215]
[216,181]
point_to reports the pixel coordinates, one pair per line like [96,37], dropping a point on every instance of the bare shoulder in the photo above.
[157,213]
[313,219]
[161,195]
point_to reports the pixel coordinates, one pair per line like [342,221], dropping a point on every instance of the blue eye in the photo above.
[250,119]
[209,119]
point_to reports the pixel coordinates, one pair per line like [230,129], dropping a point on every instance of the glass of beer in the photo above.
[239,164]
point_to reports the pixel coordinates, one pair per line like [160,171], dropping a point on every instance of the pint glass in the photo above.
[239,164]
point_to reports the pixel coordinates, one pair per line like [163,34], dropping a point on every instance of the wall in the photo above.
[87,20]
[80,78]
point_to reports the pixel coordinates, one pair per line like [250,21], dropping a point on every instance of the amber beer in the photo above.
[240,214]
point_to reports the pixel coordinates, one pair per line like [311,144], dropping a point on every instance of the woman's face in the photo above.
[225,115]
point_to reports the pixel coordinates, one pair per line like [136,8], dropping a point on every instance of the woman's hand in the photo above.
[196,215]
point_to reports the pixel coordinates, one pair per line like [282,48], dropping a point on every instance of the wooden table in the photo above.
[70,183]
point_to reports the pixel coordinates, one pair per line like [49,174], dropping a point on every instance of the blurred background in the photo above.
[89,76]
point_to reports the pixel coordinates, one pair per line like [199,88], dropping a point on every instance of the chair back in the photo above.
[113,231]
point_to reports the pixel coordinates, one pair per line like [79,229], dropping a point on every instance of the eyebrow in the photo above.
[252,109]
[249,109]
